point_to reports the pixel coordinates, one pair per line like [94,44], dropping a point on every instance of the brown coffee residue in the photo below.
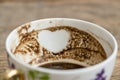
[62,65]
[27,41]
[81,46]
[23,29]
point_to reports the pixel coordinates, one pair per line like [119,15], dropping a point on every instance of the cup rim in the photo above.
[41,69]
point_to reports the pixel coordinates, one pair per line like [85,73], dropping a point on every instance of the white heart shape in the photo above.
[54,41]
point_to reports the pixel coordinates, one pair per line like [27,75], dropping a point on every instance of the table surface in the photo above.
[102,12]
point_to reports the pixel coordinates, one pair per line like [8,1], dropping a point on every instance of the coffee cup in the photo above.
[100,71]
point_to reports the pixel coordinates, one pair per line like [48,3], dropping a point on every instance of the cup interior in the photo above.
[102,35]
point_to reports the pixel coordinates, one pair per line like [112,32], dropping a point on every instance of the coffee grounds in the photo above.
[81,46]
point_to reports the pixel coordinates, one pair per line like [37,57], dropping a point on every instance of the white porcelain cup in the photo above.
[101,71]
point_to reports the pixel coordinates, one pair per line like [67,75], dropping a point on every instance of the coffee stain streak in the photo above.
[24,27]
[27,40]
[102,40]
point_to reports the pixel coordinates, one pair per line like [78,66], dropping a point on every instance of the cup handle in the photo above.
[13,74]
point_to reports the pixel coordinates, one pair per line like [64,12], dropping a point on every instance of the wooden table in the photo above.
[102,12]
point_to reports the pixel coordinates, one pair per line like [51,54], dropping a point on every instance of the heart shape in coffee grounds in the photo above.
[54,41]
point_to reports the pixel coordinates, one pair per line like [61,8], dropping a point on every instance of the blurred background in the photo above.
[16,12]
